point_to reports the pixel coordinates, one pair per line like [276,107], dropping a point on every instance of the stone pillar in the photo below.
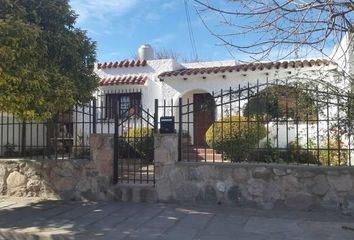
[166,156]
[101,146]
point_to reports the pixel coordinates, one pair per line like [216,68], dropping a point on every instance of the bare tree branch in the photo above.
[275,25]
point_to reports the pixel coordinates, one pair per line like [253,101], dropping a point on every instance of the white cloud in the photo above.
[162,39]
[169,5]
[152,17]
[88,9]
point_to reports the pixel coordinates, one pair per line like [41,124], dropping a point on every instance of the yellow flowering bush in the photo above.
[235,136]
[142,141]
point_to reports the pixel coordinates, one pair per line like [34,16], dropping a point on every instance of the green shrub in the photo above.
[332,152]
[282,102]
[295,153]
[142,141]
[298,153]
[235,136]
[125,150]
[266,154]
[10,150]
[335,153]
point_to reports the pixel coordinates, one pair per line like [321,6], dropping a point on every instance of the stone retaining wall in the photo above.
[301,187]
[61,179]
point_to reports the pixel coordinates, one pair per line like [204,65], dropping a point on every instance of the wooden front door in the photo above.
[204,111]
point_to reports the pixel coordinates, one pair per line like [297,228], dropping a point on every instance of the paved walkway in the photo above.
[24,219]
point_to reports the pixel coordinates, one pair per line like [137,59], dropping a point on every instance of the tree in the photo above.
[46,64]
[281,101]
[279,29]
[289,27]
[164,53]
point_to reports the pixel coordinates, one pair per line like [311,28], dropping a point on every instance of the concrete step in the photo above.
[143,193]
[193,153]
[129,176]
[199,150]
[202,156]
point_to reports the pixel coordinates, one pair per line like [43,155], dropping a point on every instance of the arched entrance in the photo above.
[198,115]
[203,117]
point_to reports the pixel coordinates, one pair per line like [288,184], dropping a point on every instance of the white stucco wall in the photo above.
[171,88]
[153,87]
[174,87]
[343,54]
[11,134]
[209,64]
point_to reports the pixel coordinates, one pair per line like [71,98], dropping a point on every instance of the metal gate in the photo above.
[134,147]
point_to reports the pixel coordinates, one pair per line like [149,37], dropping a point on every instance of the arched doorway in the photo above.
[203,117]
[198,114]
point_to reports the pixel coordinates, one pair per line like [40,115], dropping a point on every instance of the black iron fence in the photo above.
[66,136]
[265,123]
[63,137]
[134,147]
[271,123]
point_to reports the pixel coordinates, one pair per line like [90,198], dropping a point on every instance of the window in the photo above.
[122,104]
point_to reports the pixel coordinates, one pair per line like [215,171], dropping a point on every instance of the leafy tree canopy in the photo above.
[282,102]
[46,64]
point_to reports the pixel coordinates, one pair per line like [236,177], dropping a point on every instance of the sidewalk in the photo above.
[33,219]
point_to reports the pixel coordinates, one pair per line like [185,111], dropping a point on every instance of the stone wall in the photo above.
[301,187]
[61,179]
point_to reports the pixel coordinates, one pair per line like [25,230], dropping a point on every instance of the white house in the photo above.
[166,79]
[126,83]
[142,81]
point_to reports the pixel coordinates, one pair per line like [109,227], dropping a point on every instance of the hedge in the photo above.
[142,141]
[332,154]
[235,136]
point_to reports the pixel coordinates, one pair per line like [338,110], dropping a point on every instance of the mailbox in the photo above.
[167,124]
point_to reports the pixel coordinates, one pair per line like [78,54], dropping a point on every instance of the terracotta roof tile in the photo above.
[120,64]
[121,80]
[247,67]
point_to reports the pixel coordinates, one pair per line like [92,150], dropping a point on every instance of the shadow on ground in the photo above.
[21,219]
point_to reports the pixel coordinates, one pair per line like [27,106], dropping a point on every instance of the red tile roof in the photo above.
[120,80]
[122,64]
[247,67]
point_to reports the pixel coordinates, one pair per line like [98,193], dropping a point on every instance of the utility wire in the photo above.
[190,30]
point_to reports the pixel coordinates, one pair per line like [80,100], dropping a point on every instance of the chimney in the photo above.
[146,52]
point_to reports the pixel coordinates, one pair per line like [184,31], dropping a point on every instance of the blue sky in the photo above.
[120,26]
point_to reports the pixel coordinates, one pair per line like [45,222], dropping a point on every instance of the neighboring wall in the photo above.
[265,185]
[343,55]
[61,179]
[11,134]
